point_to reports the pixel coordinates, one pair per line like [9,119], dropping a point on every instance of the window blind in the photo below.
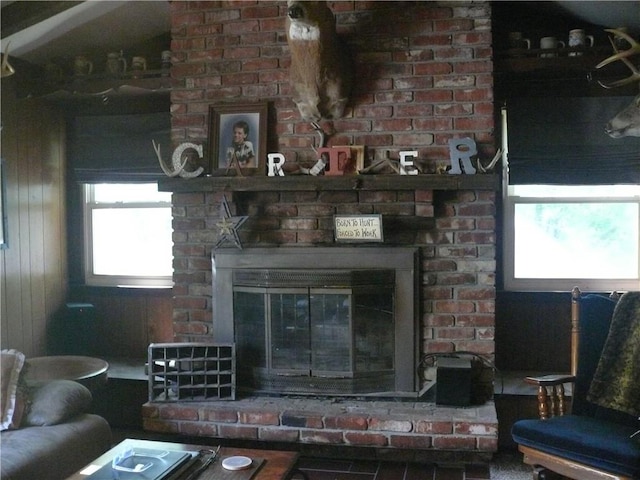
[118,148]
[562,141]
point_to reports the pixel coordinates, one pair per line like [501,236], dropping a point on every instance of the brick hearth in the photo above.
[408,431]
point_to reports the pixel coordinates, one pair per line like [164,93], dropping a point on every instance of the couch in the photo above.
[46,430]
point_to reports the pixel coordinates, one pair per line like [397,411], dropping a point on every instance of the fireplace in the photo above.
[320,321]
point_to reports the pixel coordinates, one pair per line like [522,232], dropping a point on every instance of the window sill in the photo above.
[80,290]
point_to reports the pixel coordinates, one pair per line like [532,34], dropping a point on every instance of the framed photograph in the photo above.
[238,138]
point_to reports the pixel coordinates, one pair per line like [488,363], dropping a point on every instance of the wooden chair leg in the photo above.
[543,407]
[561,401]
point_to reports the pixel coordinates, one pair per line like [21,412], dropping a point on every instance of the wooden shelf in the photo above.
[530,60]
[350,182]
[145,83]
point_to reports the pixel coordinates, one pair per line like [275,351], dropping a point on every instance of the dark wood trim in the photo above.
[311,183]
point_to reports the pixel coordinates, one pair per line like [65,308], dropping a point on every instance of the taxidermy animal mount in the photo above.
[627,122]
[321,70]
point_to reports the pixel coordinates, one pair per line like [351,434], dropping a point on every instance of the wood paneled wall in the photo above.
[128,320]
[33,280]
[533,331]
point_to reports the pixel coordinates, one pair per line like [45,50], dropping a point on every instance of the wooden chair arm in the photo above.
[550,380]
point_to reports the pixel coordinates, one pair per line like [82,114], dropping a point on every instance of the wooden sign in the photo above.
[358,228]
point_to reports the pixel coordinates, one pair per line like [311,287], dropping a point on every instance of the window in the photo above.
[127,235]
[559,236]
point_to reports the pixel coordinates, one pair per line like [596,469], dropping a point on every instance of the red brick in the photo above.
[198,429]
[434,428]
[453,307]
[259,418]
[179,199]
[488,444]
[414,442]
[390,425]
[378,196]
[239,432]
[452,442]
[260,11]
[453,24]
[150,411]
[321,436]
[314,237]
[440,320]
[236,28]
[346,422]
[302,419]
[476,293]
[190,328]
[365,439]
[279,434]
[189,302]
[175,412]
[191,18]
[214,414]
[299,223]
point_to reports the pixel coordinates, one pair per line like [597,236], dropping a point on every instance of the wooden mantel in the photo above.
[311,183]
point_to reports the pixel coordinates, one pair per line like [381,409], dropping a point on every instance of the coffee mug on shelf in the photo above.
[579,39]
[138,65]
[165,62]
[116,63]
[517,40]
[82,65]
[550,43]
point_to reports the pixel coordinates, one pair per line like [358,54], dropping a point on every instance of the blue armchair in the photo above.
[599,439]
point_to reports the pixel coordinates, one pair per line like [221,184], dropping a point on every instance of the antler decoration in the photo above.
[6,69]
[167,171]
[178,163]
[492,163]
[624,57]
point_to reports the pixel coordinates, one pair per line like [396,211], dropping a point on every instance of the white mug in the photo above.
[550,43]
[578,38]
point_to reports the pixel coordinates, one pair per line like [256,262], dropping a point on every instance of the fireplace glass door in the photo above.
[312,339]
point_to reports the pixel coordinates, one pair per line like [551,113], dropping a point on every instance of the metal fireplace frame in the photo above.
[403,260]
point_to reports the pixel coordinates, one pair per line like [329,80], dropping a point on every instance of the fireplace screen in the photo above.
[332,331]
[319,321]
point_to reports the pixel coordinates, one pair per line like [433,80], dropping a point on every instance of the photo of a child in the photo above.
[241,149]
[239,135]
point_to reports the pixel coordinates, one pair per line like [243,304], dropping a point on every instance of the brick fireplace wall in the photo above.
[423,76]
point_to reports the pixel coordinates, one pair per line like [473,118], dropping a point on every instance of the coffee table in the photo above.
[277,464]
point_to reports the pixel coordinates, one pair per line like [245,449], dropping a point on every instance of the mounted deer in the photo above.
[627,122]
[321,71]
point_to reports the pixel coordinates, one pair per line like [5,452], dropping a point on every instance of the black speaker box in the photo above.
[453,381]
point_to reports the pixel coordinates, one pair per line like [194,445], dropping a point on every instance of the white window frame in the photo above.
[512,283]
[92,279]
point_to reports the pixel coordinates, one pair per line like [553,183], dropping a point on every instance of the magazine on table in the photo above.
[142,464]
